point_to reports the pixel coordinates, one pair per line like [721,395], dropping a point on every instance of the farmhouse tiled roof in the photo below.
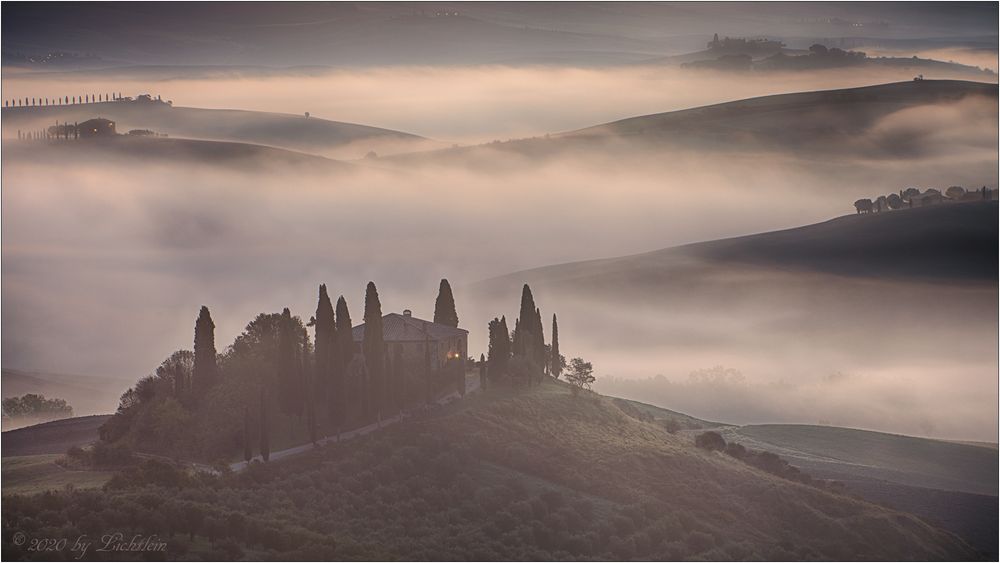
[404,328]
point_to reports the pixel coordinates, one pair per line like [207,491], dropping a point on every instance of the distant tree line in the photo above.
[521,356]
[913,197]
[80,99]
[36,407]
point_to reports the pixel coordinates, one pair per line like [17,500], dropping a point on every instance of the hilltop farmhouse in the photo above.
[416,341]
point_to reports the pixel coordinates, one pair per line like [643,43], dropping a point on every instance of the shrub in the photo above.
[671,425]
[736,450]
[710,441]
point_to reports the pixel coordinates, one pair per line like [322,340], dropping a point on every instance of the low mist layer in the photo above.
[107,261]
[476,104]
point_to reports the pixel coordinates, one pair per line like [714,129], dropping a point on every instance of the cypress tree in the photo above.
[482,368]
[427,369]
[326,343]
[247,448]
[499,348]
[538,340]
[374,349]
[555,363]
[342,357]
[206,369]
[290,380]
[444,306]
[525,327]
[265,442]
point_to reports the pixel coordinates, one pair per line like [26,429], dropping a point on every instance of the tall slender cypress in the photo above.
[205,371]
[427,369]
[290,380]
[374,349]
[482,370]
[342,357]
[325,351]
[444,306]
[555,363]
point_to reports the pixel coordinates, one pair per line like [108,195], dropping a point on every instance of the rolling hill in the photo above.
[951,485]
[954,242]
[244,157]
[516,474]
[53,437]
[294,132]
[827,125]
[829,121]
[87,394]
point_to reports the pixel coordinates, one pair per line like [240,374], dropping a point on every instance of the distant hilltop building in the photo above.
[416,341]
[92,128]
[99,127]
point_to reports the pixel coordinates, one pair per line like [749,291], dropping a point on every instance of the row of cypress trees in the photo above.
[522,354]
[326,380]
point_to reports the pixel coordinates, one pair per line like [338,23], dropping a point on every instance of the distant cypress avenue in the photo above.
[444,306]
[373,346]
[205,372]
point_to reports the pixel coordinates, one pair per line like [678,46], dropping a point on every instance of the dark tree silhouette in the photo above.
[374,349]
[427,369]
[555,361]
[499,348]
[206,369]
[290,380]
[342,358]
[482,371]
[529,341]
[247,447]
[444,306]
[178,369]
[265,442]
[581,374]
[326,345]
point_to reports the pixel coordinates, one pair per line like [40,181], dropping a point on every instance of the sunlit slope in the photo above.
[169,151]
[943,242]
[886,121]
[539,458]
[834,120]
[902,459]
[87,394]
[53,437]
[949,484]
[296,132]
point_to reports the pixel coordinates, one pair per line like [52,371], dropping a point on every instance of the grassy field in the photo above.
[36,473]
[951,484]
[527,474]
[52,437]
